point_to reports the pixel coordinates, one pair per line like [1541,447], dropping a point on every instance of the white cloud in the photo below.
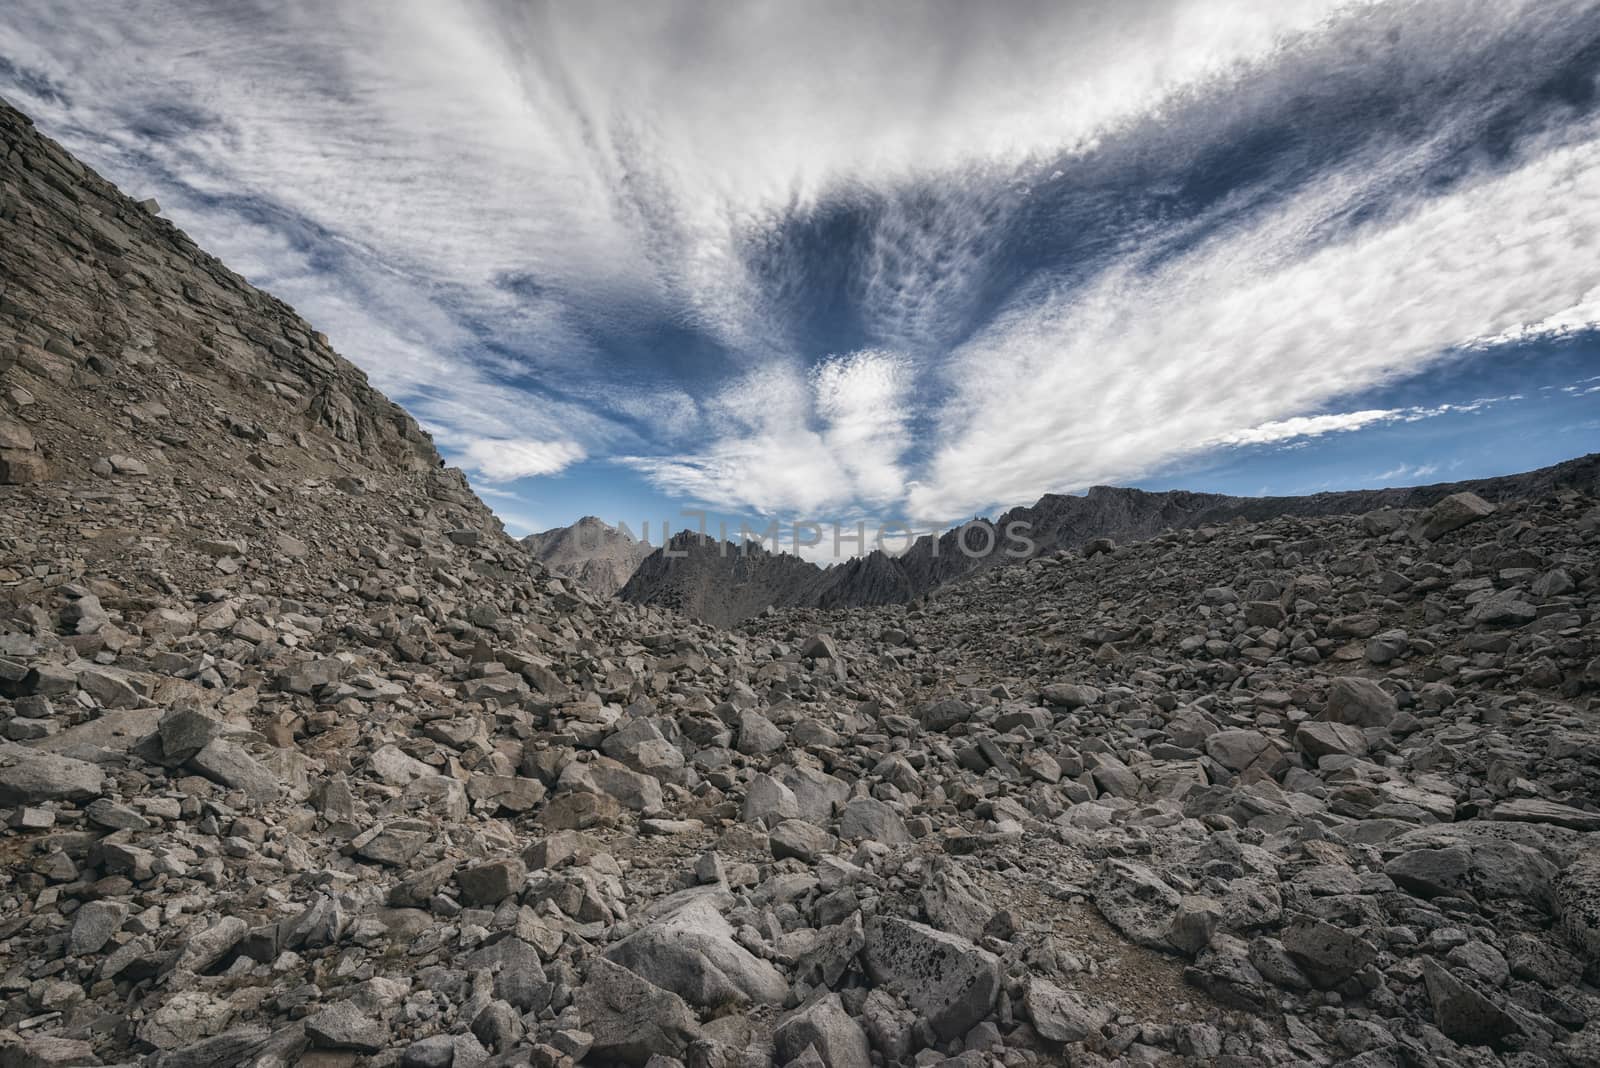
[1140,368]
[800,443]
[1305,426]
[506,459]
[1405,471]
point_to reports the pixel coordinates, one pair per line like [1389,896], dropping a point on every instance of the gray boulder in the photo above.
[344,1026]
[871,820]
[630,1019]
[1453,513]
[227,763]
[1360,703]
[689,948]
[29,777]
[823,1025]
[946,978]
[1063,1015]
[1135,901]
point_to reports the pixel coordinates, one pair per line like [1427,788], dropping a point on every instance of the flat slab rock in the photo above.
[28,777]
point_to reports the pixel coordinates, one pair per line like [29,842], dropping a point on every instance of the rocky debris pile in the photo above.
[308,763]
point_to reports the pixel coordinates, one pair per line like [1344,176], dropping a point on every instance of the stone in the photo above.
[184,1019]
[492,882]
[30,777]
[820,647]
[344,1026]
[1462,1011]
[93,925]
[1236,750]
[1194,923]
[822,1024]
[498,1026]
[945,714]
[1135,901]
[227,763]
[944,977]
[954,902]
[1360,703]
[1329,955]
[1536,810]
[871,820]
[769,801]
[757,735]
[799,839]
[519,976]
[1453,513]
[579,811]
[209,946]
[1063,1015]
[629,1019]
[689,948]
[1317,739]
[185,730]
[1487,868]
[1069,695]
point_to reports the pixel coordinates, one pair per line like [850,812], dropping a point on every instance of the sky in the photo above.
[920,260]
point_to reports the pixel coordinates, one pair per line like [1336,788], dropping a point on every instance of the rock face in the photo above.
[592,553]
[303,761]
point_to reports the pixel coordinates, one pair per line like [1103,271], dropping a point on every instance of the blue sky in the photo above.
[910,259]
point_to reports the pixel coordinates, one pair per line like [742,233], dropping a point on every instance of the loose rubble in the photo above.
[306,762]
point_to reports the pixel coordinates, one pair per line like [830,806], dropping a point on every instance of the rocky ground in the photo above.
[306,762]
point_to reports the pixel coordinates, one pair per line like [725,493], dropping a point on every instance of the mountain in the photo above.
[721,582]
[715,582]
[304,761]
[590,552]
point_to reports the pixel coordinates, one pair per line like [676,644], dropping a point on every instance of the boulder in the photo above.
[1063,1015]
[30,777]
[1453,513]
[629,1019]
[1360,703]
[823,1025]
[344,1026]
[1135,901]
[868,819]
[1462,1011]
[689,948]
[227,763]
[946,978]
[492,882]
[1317,739]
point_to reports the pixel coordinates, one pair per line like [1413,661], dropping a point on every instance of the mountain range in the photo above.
[717,581]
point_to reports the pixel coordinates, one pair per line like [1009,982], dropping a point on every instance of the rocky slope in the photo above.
[306,762]
[714,583]
[591,552]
